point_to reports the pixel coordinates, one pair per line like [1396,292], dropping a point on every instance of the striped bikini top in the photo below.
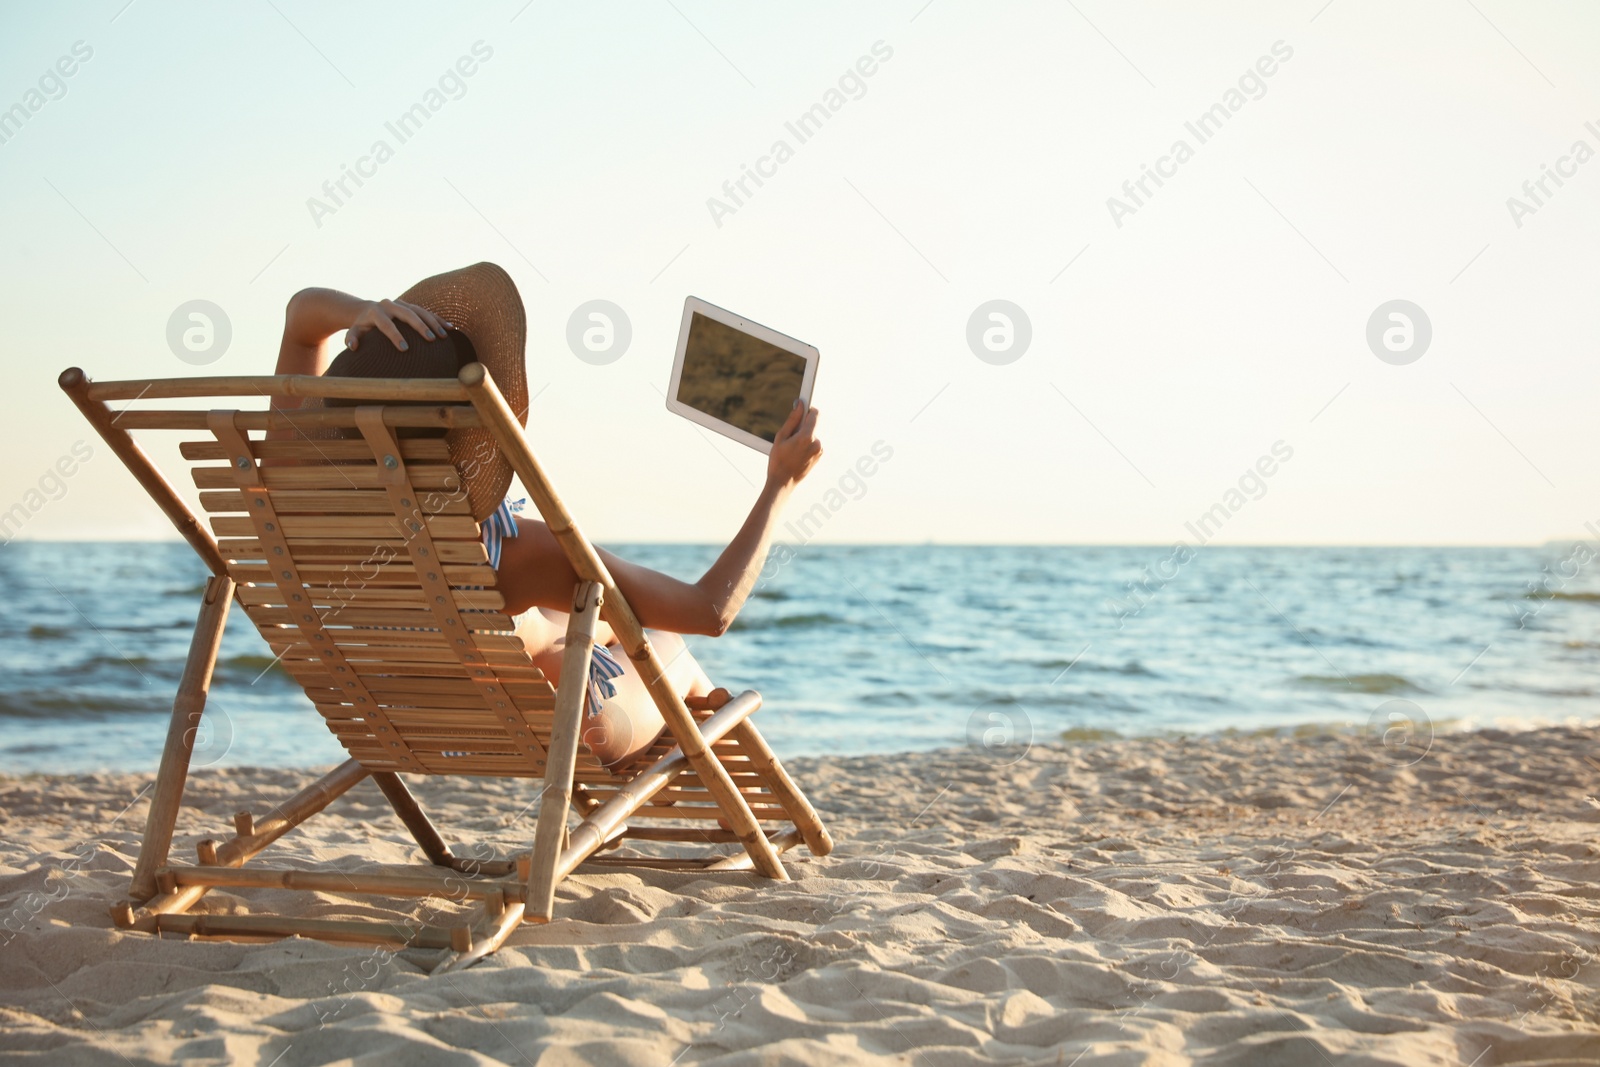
[603,666]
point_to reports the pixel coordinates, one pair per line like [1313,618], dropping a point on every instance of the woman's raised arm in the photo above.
[534,571]
[314,315]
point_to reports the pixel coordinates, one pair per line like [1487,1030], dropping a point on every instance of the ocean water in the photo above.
[860,649]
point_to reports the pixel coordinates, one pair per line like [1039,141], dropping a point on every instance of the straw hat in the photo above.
[481,302]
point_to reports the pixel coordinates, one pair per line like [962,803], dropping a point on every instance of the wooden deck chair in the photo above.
[359,561]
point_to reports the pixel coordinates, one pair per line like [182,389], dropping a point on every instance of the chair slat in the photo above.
[362,574]
[433,477]
[412,450]
[423,705]
[397,617]
[392,689]
[352,550]
[337,598]
[376,526]
[445,418]
[311,673]
[377,642]
[762,812]
[403,691]
[332,501]
[364,390]
[409,660]
[341,722]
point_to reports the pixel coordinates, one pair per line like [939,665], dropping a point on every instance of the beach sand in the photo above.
[1233,900]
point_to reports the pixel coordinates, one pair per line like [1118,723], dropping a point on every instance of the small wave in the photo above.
[120,663]
[1303,730]
[257,671]
[1093,700]
[790,622]
[248,662]
[1034,576]
[1361,683]
[31,750]
[1133,668]
[58,704]
[1353,640]
[942,647]
[145,626]
[1557,692]
[892,698]
[1087,734]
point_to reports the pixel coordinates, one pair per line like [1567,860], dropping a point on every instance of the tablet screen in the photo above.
[739,379]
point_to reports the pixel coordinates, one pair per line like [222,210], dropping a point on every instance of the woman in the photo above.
[397,338]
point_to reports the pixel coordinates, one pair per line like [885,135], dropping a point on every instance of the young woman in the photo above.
[534,575]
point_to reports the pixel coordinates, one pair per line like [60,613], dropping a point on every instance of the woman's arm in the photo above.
[314,315]
[534,571]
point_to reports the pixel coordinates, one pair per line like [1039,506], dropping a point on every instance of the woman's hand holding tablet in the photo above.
[742,379]
[796,449]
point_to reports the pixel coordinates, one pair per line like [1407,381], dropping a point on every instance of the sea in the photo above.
[891,648]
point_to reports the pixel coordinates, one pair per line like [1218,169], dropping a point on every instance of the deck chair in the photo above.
[360,563]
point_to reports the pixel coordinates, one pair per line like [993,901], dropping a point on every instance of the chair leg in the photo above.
[713,775]
[187,707]
[736,812]
[794,802]
[484,941]
[607,822]
[405,805]
[556,798]
[242,848]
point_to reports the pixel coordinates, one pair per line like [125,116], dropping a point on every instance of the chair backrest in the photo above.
[361,564]
[359,561]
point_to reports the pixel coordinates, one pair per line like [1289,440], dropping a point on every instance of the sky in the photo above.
[1182,340]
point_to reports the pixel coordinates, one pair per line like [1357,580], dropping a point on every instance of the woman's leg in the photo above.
[682,669]
[629,722]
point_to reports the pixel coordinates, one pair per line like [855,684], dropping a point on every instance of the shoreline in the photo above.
[1072,736]
[1218,900]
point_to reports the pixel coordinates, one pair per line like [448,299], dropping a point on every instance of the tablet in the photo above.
[737,377]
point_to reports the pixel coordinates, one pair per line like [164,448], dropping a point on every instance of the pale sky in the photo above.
[1168,354]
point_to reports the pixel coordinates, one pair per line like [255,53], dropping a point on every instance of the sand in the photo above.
[1244,900]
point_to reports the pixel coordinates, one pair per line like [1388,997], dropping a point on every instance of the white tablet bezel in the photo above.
[694,305]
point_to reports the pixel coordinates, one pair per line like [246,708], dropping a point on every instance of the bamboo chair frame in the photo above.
[710,763]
